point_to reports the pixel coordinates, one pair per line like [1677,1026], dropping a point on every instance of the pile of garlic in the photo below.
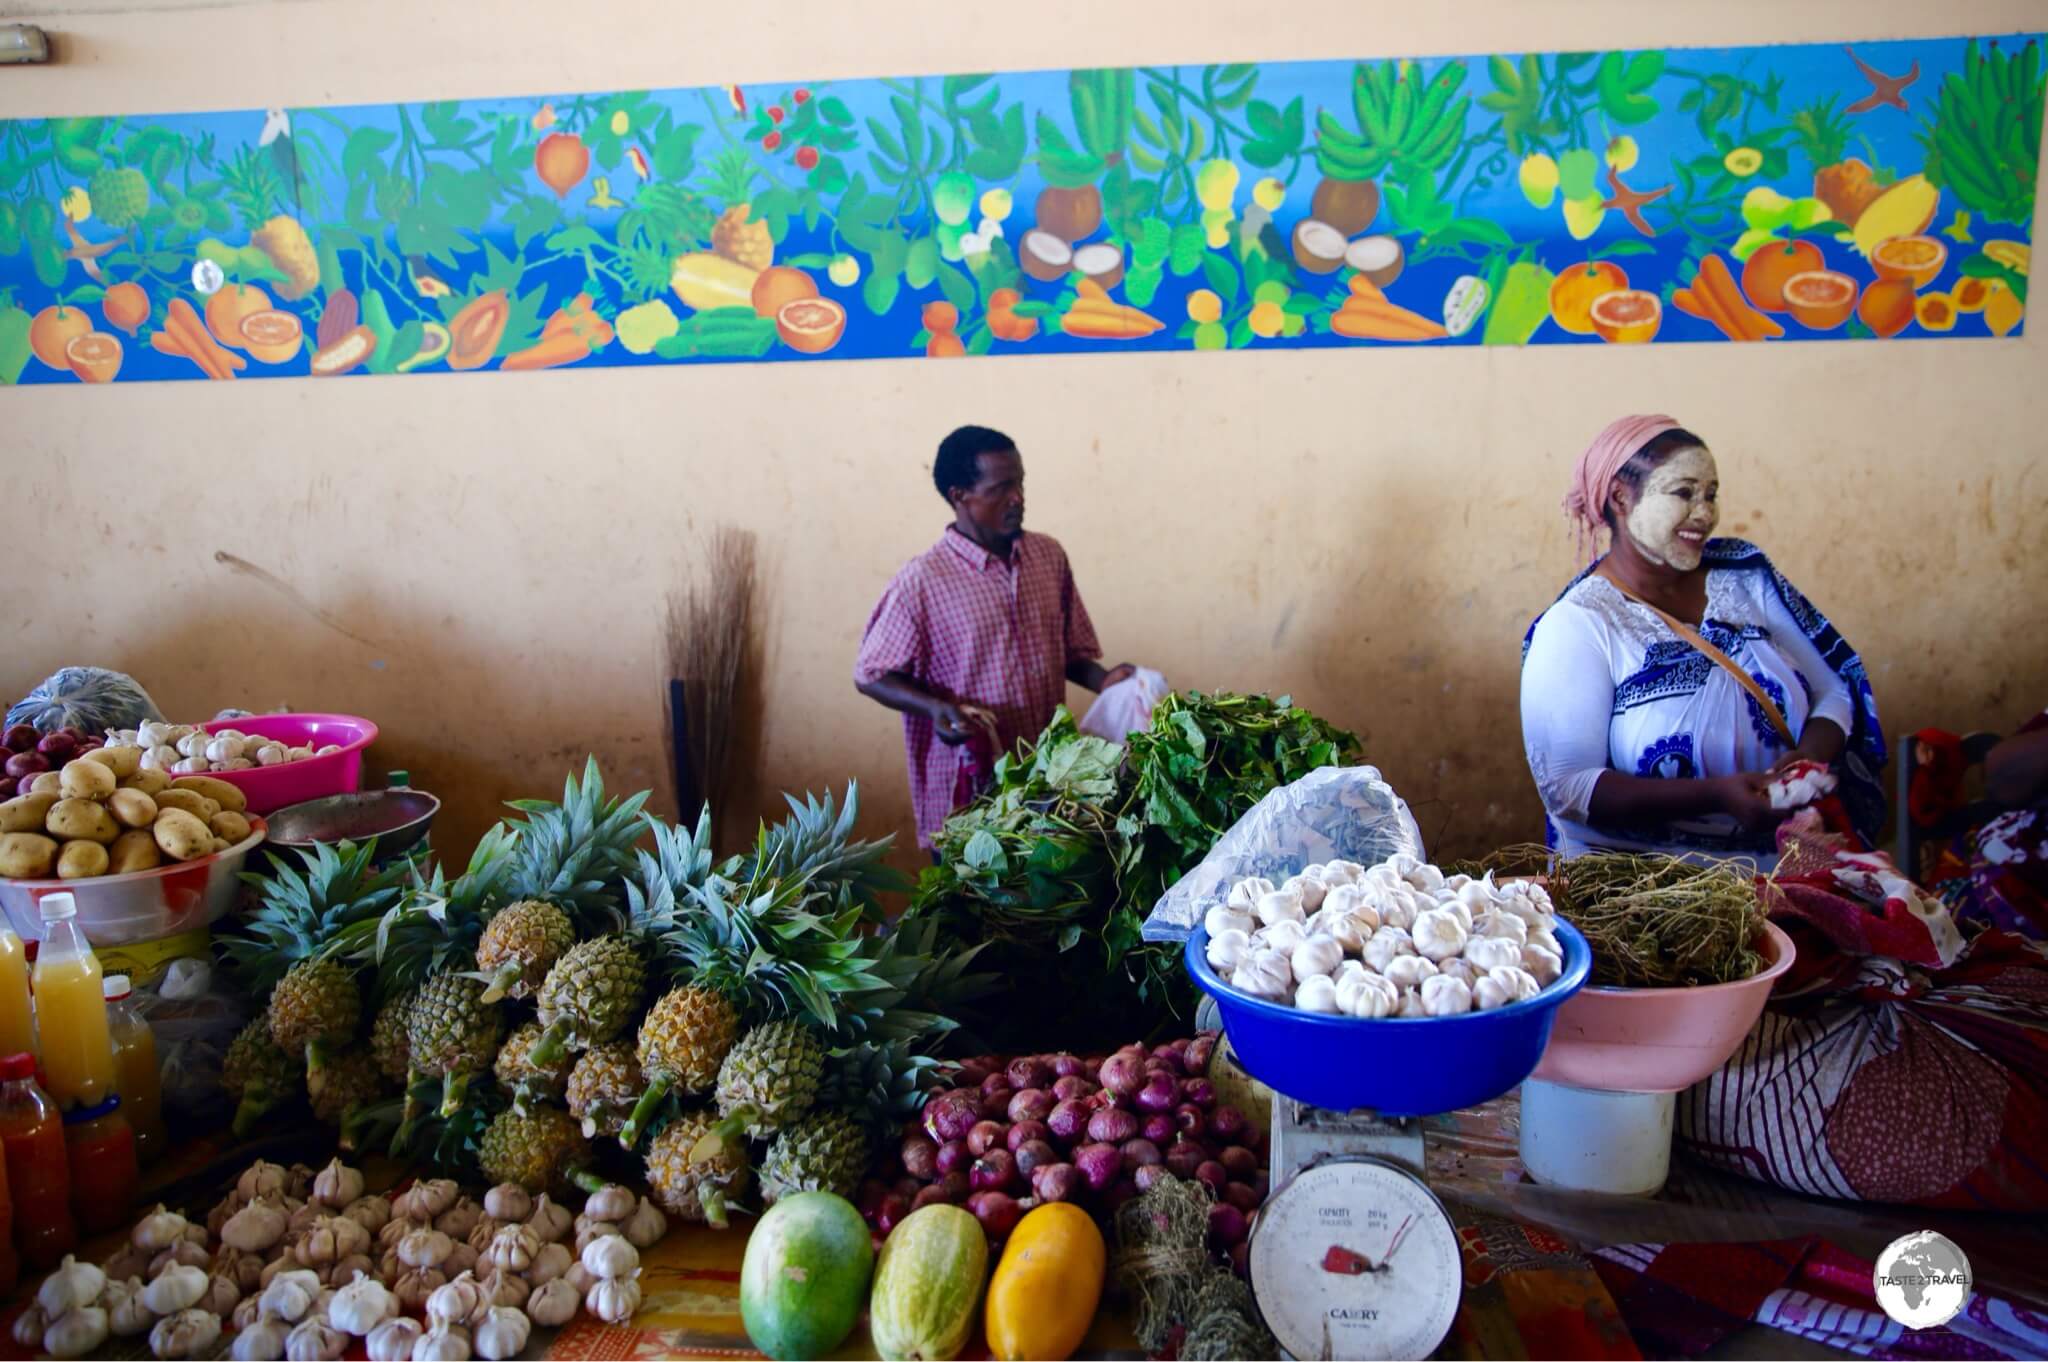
[187,750]
[1400,939]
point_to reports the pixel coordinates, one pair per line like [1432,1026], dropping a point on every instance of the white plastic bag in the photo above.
[1334,813]
[1126,707]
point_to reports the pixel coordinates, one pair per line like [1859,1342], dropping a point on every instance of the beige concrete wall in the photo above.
[479,564]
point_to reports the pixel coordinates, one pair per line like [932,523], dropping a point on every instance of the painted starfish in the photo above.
[87,253]
[1632,201]
[1884,89]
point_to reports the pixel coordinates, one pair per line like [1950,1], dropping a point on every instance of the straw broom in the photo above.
[710,645]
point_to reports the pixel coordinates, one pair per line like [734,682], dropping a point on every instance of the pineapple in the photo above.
[315,1006]
[387,1038]
[452,1035]
[769,1080]
[258,1075]
[527,1081]
[520,944]
[346,1083]
[591,995]
[539,1149]
[697,1190]
[684,1037]
[823,1152]
[603,1088]
[574,854]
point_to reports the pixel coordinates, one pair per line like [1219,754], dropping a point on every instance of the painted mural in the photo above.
[1877,190]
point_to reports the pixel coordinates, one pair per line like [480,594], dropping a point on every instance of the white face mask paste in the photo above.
[1677,510]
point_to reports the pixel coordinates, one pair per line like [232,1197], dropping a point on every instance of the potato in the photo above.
[73,820]
[228,825]
[132,808]
[191,801]
[122,761]
[25,813]
[134,850]
[229,797]
[181,835]
[27,856]
[49,783]
[81,861]
[149,781]
[221,844]
[84,779]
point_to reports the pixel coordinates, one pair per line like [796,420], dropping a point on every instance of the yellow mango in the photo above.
[705,281]
[1044,1293]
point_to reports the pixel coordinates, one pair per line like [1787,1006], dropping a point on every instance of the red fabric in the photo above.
[982,630]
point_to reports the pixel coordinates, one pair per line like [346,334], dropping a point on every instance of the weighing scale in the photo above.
[1352,1255]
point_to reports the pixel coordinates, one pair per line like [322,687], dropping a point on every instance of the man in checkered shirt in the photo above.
[976,638]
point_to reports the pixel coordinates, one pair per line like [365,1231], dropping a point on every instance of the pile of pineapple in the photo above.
[574,1006]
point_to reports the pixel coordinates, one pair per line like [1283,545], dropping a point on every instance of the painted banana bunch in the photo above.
[1407,121]
[1985,142]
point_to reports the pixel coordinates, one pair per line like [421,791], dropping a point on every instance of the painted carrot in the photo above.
[565,347]
[1091,318]
[1384,323]
[198,343]
[1746,321]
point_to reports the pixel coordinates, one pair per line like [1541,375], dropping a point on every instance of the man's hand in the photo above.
[1124,671]
[953,727]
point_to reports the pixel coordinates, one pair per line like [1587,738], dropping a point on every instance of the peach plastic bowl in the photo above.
[1658,1039]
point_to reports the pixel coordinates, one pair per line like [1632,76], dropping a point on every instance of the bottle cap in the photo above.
[57,907]
[78,1116]
[13,1067]
[114,987]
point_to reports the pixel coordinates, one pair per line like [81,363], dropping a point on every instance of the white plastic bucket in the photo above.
[1588,1140]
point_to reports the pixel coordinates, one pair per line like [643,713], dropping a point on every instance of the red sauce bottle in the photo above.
[38,1168]
[105,1174]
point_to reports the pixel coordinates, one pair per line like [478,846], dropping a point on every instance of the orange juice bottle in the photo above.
[71,1013]
[17,1019]
[136,1075]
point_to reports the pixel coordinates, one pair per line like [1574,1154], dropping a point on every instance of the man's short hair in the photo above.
[959,454]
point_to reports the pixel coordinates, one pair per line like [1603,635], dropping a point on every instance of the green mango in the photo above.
[76,142]
[1522,305]
[14,346]
[377,317]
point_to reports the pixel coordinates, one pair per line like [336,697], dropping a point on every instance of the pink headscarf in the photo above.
[1611,449]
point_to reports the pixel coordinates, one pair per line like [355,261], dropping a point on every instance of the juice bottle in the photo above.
[10,1262]
[136,1076]
[71,1013]
[17,1017]
[104,1175]
[38,1168]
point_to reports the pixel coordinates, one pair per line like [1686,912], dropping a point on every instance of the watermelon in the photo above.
[805,1276]
[927,1284]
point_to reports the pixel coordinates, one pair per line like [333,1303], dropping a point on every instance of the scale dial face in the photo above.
[1356,1258]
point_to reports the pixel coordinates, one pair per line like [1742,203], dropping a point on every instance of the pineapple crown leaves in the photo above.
[679,865]
[815,844]
[449,1145]
[437,923]
[879,1084]
[576,853]
[324,905]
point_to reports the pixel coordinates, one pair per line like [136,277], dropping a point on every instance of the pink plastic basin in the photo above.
[1658,1039]
[270,788]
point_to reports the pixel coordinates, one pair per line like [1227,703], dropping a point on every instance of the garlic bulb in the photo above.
[1499,922]
[261,1179]
[158,1230]
[304,1216]
[502,1334]
[1309,889]
[552,1261]
[257,1227]
[1475,895]
[1369,995]
[1408,971]
[455,1301]
[361,1306]
[1411,1005]
[1315,957]
[184,1253]
[1346,929]
[611,1257]
[417,1285]
[1437,934]
[1384,944]
[337,1185]
[72,1286]
[192,745]
[483,1232]
[1445,995]
[588,1230]
[179,1288]
[396,1228]
[29,1326]
[615,1300]
[1317,993]
[1282,905]
[315,1341]
[610,1202]
[393,1340]
[127,1316]
[221,1296]
[1337,873]
[1542,965]
[425,1248]
[458,1220]
[1518,982]
[1349,969]
[461,1258]
[1493,952]
[1463,970]
[508,1201]
[272,754]
[501,1290]
[1425,877]
[1227,948]
[1264,974]
[373,1213]
[290,1295]
[581,1278]
[1245,894]
[127,1261]
[450,1344]
[549,1222]
[1547,939]
[188,1333]
[249,1311]
[1284,935]
[643,1229]
[1221,919]
[513,1249]
[262,1341]
[553,1303]
[76,1333]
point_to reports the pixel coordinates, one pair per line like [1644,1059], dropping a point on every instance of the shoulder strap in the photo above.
[1714,655]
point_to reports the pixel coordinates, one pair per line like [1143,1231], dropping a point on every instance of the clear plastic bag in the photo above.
[194,1012]
[1345,813]
[90,699]
[1126,707]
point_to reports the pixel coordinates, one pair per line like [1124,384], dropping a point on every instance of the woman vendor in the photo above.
[1679,672]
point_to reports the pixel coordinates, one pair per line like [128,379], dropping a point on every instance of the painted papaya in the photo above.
[475,331]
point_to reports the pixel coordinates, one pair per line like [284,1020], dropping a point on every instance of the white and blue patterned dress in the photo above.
[1606,685]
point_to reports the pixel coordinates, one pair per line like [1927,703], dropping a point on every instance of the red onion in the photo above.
[1191,1120]
[869,1199]
[1174,1053]
[970,1073]
[920,1155]
[954,1185]
[27,764]
[1056,1182]
[1184,1157]
[1254,1138]
[906,1186]
[1240,1196]
[894,1208]
[1033,1155]
[1226,1224]
[928,1196]
[1122,1074]
[1120,1193]
[1163,1066]
[1138,1153]
[1261,1184]
[995,1081]
[985,1136]
[1069,1120]
[1101,1164]
[1159,1128]
[1158,1093]
[1031,1104]
[993,1171]
[1228,1123]
[1030,1072]
[1024,1132]
[21,737]
[995,1106]
[1071,1086]
[1240,1162]
[1150,1175]
[23,786]
[1213,1175]
[950,1115]
[1198,1092]
[1241,1257]
[953,1154]
[1112,1125]
[1200,1050]
[58,747]
[1067,1066]
[998,1212]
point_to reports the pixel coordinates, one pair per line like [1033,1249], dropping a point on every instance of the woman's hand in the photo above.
[1746,798]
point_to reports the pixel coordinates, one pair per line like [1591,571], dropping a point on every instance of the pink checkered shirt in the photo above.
[981,630]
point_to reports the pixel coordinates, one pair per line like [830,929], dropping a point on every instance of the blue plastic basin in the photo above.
[1413,1066]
